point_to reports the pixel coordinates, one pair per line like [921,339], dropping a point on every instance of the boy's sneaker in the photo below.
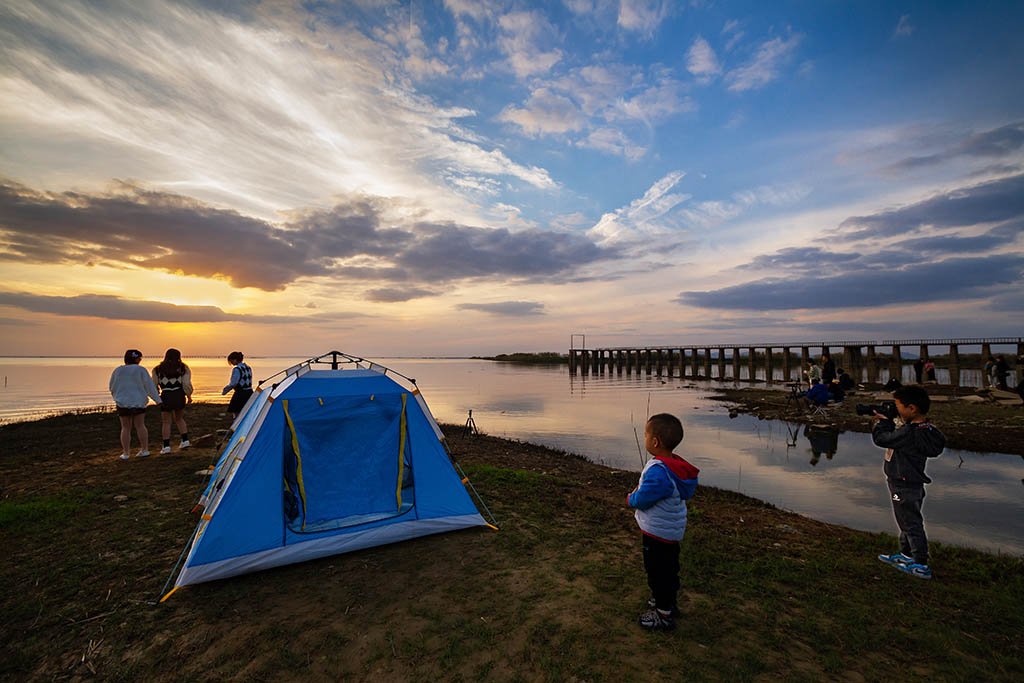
[184,445]
[653,620]
[921,571]
[125,456]
[652,603]
[899,560]
[165,450]
[142,454]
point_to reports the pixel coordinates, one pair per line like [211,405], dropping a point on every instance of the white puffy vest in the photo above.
[666,519]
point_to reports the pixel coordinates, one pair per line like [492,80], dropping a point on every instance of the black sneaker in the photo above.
[654,620]
[652,603]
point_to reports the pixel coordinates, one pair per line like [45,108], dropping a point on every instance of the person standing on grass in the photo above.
[908,448]
[240,382]
[666,483]
[131,387]
[175,381]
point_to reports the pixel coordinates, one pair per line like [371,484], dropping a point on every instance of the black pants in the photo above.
[906,506]
[661,560]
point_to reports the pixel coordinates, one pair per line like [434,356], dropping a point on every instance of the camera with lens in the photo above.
[888,408]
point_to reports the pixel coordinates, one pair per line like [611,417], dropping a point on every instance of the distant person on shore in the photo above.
[240,382]
[666,483]
[1002,370]
[813,372]
[929,371]
[828,369]
[908,448]
[919,371]
[175,381]
[990,373]
[845,382]
[131,387]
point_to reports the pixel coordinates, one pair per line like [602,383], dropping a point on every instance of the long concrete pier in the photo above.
[861,359]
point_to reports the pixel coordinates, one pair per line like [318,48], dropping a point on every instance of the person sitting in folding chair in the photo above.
[817,398]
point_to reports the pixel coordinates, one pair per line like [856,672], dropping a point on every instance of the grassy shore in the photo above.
[538,358]
[553,595]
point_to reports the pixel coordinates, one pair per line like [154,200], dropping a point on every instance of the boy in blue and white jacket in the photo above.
[666,483]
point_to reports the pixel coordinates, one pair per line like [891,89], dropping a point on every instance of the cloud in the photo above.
[798,259]
[996,143]
[994,201]
[943,281]
[702,62]
[509,308]
[764,66]
[642,16]
[903,27]
[117,308]
[613,141]
[358,238]
[521,37]
[645,218]
[544,113]
[396,294]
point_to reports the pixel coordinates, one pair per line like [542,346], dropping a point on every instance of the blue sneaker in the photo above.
[900,560]
[921,571]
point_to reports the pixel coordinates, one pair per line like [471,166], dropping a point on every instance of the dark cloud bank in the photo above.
[117,308]
[957,263]
[137,227]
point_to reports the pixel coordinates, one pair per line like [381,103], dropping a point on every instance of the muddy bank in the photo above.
[981,421]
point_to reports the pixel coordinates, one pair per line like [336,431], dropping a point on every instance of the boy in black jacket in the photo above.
[907,450]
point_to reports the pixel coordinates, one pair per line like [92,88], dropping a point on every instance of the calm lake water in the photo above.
[977,499]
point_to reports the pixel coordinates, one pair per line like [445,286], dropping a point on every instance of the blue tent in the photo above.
[325,462]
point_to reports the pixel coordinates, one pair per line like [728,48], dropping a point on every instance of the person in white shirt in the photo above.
[132,387]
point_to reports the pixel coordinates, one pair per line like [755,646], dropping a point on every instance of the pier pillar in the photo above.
[872,365]
[752,375]
[721,363]
[849,362]
[682,363]
[768,365]
[572,362]
[924,352]
[896,363]
[986,351]
[707,363]
[693,363]
[735,364]
[954,365]
[657,361]
[1020,350]
[601,361]
[805,355]
[786,370]
[647,361]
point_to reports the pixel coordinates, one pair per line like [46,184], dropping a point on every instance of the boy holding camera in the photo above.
[908,448]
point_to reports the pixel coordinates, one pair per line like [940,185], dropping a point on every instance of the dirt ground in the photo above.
[553,595]
[980,421]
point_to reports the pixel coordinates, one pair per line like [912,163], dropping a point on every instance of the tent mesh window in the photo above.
[347,462]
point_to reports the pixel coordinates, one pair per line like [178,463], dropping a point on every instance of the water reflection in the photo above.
[823,441]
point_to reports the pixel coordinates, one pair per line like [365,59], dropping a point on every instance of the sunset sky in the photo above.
[457,177]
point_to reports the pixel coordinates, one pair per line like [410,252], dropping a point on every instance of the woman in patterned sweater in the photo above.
[174,379]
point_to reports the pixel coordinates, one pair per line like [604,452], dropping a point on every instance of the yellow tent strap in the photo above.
[401,454]
[298,461]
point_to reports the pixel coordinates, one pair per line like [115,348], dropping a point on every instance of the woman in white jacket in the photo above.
[132,387]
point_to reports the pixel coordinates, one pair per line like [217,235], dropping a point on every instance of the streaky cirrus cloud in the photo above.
[118,308]
[766,64]
[397,294]
[506,308]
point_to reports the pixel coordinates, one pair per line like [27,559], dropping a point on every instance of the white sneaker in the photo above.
[184,445]
[125,456]
[165,450]
[142,454]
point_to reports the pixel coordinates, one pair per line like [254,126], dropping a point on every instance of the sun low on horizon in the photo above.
[467,178]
